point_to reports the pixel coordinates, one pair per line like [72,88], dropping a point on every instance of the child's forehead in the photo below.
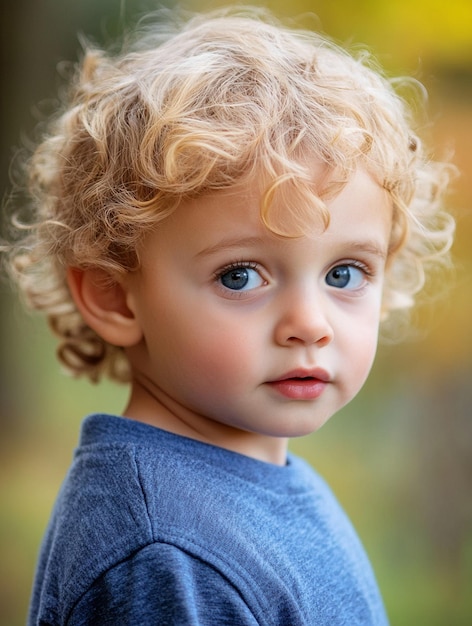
[291,206]
[285,206]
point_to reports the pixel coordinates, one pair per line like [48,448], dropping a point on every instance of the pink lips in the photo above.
[301,384]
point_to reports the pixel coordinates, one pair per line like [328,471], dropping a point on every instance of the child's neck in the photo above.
[144,406]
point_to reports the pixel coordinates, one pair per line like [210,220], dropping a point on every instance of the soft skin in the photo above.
[223,319]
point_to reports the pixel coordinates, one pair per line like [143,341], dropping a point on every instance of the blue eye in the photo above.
[345,277]
[240,278]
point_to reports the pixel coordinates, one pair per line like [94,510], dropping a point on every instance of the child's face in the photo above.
[248,338]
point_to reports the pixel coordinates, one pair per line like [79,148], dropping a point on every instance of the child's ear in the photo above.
[102,303]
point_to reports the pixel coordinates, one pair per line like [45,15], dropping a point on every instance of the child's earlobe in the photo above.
[101,300]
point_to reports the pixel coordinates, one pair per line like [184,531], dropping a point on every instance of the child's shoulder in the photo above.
[136,484]
[138,499]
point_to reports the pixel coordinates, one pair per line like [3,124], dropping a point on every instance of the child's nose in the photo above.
[303,320]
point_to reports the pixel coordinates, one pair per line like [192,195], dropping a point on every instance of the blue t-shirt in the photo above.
[151,528]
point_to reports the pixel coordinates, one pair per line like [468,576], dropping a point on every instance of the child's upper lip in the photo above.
[317,373]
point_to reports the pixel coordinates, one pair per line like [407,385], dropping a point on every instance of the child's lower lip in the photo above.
[299,388]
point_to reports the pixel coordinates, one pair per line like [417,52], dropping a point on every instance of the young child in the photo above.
[223,214]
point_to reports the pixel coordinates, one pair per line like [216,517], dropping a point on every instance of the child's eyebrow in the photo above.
[370,246]
[230,243]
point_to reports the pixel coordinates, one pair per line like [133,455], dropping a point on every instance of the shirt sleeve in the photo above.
[162,584]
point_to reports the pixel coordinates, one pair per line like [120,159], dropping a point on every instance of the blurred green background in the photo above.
[400,456]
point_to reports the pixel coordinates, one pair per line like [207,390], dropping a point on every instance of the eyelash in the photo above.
[359,265]
[253,265]
[236,265]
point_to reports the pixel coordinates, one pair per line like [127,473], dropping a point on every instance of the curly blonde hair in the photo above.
[191,108]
